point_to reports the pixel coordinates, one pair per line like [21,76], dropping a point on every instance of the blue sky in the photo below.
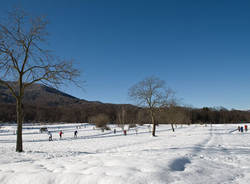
[200,48]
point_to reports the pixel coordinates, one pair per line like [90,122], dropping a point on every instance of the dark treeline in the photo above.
[122,114]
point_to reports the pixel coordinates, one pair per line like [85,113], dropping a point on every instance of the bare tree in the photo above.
[122,116]
[152,94]
[24,61]
[100,120]
[175,115]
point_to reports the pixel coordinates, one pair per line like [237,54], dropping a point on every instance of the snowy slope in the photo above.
[194,154]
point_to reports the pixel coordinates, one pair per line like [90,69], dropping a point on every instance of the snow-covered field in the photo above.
[190,155]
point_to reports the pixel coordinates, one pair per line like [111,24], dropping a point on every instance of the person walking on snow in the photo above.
[60,134]
[50,136]
[245,128]
[75,134]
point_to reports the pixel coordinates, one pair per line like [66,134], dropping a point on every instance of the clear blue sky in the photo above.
[200,48]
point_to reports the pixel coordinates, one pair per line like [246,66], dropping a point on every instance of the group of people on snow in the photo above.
[241,129]
[76,132]
[60,134]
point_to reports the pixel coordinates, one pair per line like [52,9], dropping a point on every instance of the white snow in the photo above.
[195,154]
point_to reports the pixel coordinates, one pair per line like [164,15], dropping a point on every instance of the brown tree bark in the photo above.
[19,106]
[172,126]
[153,122]
[19,142]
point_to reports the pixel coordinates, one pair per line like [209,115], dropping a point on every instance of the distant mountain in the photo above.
[42,95]
[43,104]
[47,104]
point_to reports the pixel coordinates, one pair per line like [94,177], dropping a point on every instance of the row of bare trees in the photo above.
[130,114]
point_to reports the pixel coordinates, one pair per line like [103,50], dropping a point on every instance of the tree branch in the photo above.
[10,88]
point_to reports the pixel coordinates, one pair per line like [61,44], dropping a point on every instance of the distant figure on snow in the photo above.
[245,128]
[241,128]
[125,132]
[60,134]
[50,136]
[114,131]
[75,134]
[149,128]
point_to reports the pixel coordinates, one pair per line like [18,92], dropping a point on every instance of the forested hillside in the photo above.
[45,104]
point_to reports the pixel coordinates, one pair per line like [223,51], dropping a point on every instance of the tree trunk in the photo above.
[19,142]
[172,126]
[153,122]
[19,110]
[154,127]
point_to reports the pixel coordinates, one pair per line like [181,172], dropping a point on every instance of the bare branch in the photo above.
[12,90]
[148,92]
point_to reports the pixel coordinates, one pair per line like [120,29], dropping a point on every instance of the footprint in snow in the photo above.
[179,164]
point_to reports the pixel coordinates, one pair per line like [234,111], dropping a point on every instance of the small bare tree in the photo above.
[24,61]
[100,120]
[174,115]
[152,94]
[121,116]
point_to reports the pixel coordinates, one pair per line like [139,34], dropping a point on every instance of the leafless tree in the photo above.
[122,116]
[24,61]
[100,120]
[175,116]
[152,94]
